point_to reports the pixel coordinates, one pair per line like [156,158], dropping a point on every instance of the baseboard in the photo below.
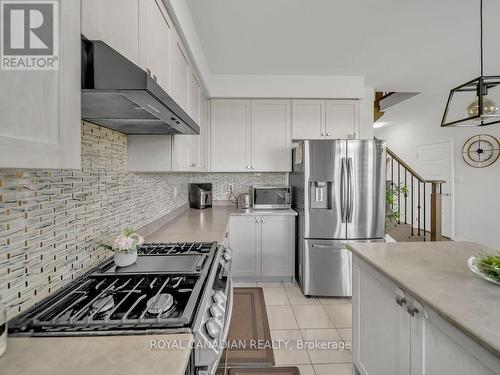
[152,227]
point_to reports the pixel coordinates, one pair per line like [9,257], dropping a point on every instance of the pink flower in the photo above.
[122,243]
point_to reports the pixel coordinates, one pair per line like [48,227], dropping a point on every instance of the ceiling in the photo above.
[398,45]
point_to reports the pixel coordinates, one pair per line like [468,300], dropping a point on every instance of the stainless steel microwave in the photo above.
[271,197]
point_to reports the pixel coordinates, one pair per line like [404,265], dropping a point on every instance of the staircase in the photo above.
[416,203]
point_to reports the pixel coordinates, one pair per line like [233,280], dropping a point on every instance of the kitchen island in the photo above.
[417,306]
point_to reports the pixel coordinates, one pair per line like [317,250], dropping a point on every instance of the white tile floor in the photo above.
[295,319]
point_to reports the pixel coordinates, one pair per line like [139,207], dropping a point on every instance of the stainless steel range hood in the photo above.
[119,95]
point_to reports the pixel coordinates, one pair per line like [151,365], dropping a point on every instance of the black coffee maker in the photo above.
[200,196]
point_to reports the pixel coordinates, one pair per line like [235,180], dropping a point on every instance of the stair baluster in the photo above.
[415,195]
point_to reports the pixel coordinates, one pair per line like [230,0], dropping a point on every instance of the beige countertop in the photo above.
[110,355]
[195,225]
[253,212]
[205,225]
[436,273]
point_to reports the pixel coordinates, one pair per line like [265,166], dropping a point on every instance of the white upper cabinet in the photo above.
[187,148]
[250,135]
[341,119]
[194,112]
[180,73]
[204,133]
[115,22]
[40,121]
[194,97]
[308,118]
[271,140]
[142,32]
[325,119]
[229,132]
[158,31]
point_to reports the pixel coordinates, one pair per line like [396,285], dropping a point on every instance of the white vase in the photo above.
[125,259]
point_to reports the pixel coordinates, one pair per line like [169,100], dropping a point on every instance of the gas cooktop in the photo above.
[159,292]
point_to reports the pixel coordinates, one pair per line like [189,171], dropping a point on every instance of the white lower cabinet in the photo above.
[263,246]
[438,348]
[277,246]
[394,334]
[381,328]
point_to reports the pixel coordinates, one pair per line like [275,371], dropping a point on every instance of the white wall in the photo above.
[477,203]
[283,86]
[366,114]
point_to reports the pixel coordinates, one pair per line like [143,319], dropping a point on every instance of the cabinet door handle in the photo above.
[412,310]
[262,221]
[322,134]
[248,167]
[253,167]
[328,134]
[401,301]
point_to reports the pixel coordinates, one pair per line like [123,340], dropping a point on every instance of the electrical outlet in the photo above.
[175,191]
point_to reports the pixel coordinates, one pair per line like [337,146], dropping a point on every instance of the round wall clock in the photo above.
[481,150]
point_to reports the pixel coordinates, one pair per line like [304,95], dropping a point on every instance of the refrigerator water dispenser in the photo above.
[320,195]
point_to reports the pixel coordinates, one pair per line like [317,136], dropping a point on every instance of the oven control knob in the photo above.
[217,312]
[219,297]
[212,328]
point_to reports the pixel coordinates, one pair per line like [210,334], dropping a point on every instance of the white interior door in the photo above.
[435,162]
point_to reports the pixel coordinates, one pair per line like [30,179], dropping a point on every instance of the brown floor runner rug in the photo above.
[265,371]
[249,325]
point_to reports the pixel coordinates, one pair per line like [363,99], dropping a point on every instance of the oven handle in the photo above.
[229,310]
[227,323]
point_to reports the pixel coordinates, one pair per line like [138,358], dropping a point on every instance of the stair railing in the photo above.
[401,174]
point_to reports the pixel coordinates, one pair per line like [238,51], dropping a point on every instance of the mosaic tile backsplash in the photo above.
[52,220]
[240,182]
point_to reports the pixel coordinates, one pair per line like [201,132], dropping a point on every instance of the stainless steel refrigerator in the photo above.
[338,189]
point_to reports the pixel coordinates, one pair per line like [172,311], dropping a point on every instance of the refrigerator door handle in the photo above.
[343,190]
[319,246]
[350,190]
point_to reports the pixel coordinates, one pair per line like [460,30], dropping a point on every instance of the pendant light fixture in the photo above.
[474,103]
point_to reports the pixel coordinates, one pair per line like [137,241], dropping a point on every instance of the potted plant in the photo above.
[124,247]
[392,214]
